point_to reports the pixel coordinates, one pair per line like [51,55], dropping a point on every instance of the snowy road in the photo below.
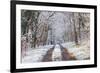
[57,52]
[48,56]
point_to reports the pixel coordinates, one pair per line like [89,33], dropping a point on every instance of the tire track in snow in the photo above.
[48,56]
[65,54]
[58,53]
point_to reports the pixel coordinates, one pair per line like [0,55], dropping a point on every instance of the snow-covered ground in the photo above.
[56,56]
[81,51]
[36,54]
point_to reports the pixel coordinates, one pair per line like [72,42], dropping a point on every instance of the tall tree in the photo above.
[75,22]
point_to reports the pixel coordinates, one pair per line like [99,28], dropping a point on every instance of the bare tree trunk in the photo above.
[75,32]
[35,37]
[36,29]
[80,23]
[46,34]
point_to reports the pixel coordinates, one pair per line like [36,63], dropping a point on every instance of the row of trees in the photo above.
[51,27]
[81,23]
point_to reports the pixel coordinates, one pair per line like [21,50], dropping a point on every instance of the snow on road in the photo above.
[80,52]
[35,55]
[56,56]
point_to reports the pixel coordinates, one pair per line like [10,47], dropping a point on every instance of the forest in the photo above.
[54,35]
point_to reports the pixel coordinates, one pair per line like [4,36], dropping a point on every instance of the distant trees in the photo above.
[51,27]
[34,26]
[77,27]
[75,31]
[81,22]
[29,25]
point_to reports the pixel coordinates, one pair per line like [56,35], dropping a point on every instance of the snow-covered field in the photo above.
[35,55]
[81,51]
